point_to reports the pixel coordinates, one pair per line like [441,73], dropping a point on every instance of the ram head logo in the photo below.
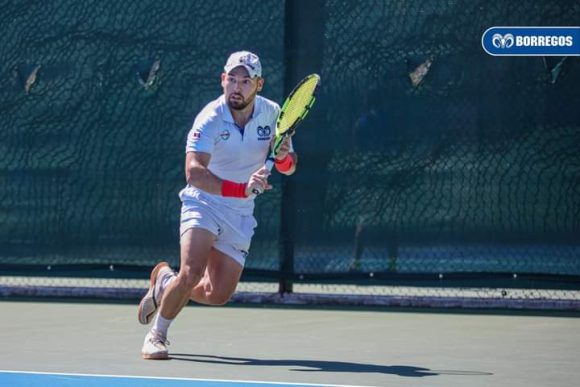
[502,41]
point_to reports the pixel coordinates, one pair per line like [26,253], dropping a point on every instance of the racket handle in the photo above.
[269,164]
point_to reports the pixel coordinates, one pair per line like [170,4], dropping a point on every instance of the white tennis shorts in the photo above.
[233,231]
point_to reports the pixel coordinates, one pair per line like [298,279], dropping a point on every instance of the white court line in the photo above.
[174,378]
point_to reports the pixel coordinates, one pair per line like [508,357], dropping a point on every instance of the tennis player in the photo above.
[224,163]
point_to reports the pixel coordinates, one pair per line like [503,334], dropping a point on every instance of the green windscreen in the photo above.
[430,155]
[96,100]
[423,154]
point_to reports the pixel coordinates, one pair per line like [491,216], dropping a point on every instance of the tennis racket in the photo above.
[295,108]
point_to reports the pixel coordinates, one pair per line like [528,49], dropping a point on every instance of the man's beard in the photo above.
[241,103]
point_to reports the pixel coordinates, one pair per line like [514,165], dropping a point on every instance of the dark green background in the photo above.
[475,170]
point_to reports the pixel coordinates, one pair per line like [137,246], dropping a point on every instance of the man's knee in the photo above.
[189,277]
[218,297]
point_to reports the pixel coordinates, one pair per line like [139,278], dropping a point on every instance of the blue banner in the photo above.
[532,41]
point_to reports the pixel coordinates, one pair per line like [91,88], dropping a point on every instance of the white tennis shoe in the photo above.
[152,299]
[155,346]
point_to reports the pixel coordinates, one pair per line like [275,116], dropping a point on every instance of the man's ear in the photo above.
[260,84]
[224,75]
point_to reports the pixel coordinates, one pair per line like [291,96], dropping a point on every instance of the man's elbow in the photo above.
[194,174]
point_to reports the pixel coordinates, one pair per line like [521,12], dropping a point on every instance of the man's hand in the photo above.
[284,149]
[258,181]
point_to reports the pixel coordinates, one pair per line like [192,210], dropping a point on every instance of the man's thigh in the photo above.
[196,248]
[223,272]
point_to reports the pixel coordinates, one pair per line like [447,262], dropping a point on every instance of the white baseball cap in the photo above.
[247,59]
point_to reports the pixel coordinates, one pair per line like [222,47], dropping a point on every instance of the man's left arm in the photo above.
[286,159]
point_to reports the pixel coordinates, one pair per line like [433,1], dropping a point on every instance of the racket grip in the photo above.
[269,164]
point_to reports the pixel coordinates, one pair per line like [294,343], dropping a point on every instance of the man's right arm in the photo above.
[198,175]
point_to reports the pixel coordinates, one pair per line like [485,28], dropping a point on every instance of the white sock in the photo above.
[166,281]
[161,325]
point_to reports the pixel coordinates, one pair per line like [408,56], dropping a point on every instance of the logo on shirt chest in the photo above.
[225,134]
[264,133]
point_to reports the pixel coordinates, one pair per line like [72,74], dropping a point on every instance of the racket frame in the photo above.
[279,138]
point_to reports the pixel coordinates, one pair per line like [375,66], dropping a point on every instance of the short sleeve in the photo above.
[200,138]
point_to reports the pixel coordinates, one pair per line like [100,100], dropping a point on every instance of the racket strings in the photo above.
[298,104]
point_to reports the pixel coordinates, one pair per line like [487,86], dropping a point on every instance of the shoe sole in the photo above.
[152,280]
[164,356]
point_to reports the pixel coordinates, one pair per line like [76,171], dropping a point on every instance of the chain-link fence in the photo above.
[425,161]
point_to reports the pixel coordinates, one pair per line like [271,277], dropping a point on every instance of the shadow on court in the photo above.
[323,366]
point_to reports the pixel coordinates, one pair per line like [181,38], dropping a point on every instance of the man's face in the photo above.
[240,90]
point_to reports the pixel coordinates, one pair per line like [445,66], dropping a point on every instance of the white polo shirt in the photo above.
[235,152]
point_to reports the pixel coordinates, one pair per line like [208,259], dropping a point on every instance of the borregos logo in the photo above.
[500,41]
[532,41]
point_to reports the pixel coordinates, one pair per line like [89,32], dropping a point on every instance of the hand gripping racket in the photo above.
[295,108]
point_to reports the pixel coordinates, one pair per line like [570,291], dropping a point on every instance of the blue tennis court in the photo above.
[34,379]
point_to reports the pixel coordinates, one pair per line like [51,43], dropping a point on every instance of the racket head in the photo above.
[295,108]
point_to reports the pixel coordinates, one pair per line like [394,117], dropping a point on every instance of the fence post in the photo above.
[303,43]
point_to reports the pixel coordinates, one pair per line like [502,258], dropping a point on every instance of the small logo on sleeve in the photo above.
[196,136]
